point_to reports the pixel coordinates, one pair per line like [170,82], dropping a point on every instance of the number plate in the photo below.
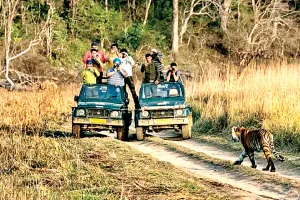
[163,121]
[98,121]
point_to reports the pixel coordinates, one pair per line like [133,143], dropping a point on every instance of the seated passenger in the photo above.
[173,74]
[116,75]
[90,73]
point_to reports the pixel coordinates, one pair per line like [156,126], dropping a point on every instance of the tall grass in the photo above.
[260,96]
[36,111]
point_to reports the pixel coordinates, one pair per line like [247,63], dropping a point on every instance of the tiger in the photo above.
[256,140]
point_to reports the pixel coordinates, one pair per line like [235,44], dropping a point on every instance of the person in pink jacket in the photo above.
[88,54]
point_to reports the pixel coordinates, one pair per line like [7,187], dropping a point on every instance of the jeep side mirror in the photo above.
[76,97]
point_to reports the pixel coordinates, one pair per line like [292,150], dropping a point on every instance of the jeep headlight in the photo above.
[115,114]
[179,112]
[80,112]
[145,114]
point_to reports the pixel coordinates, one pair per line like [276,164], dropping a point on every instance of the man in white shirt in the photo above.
[127,63]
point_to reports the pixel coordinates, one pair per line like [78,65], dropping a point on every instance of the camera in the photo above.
[116,65]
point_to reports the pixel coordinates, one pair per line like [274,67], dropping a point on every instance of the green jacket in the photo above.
[89,75]
[151,72]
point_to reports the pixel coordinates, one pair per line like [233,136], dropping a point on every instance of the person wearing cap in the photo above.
[173,74]
[127,63]
[88,54]
[114,53]
[157,62]
[116,74]
[150,69]
[90,73]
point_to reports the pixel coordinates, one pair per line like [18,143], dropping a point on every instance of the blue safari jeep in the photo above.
[101,107]
[163,106]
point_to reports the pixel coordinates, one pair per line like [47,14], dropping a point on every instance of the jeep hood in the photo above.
[105,105]
[166,103]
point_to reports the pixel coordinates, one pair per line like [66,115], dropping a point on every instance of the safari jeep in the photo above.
[101,107]
[163,106]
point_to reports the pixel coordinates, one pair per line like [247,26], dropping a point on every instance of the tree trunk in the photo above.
[147,12]
[106,5]
[175,31]
[133,11]
[224,12]
[9,10]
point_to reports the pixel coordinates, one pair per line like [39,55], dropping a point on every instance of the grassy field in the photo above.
[260,96]
[92,168]
[34,166]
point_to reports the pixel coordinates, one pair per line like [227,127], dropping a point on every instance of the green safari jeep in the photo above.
[163,106]
[101,107]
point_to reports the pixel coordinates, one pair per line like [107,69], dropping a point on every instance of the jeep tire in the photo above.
[139,133]
[186,131]
[76,131]
[121,134]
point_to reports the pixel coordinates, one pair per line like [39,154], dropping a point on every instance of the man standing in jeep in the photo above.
[156,60]
[173,74]
[150,69]
[127,63]
[151,75]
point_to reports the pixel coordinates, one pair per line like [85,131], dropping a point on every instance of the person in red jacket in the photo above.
[88,54]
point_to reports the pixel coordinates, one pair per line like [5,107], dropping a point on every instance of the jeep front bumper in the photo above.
[96,121]
[163,121]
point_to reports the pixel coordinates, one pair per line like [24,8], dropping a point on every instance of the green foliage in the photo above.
[287,140]
[133,37]
[94,23]
[38,10]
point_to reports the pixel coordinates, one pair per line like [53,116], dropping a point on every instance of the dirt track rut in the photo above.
[249,189]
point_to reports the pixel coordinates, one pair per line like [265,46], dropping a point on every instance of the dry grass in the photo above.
[93,168]
[46,168]
[38,167]
[36,111]
[261,96]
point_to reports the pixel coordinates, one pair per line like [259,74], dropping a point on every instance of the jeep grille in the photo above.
[162,113]
[97,113]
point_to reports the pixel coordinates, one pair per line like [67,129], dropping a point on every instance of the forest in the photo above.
[192,32]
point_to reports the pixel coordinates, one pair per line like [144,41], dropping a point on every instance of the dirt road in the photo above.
[250,189]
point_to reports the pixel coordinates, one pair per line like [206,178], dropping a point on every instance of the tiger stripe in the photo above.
[256,140]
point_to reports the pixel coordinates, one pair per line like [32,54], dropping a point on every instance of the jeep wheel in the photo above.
[76,131]
[186,131]
[139,133]
[121,134]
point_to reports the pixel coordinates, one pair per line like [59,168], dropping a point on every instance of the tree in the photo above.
[194,8]
[8,13]
[224,9]
[147,11]
[175,31]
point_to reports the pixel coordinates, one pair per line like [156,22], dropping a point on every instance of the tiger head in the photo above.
[236,133]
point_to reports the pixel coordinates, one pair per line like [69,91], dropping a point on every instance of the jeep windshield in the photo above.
[161,90]
[101,92]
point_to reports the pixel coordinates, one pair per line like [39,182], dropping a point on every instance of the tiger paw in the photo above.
[254,166]
[238,162]
[272,170]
